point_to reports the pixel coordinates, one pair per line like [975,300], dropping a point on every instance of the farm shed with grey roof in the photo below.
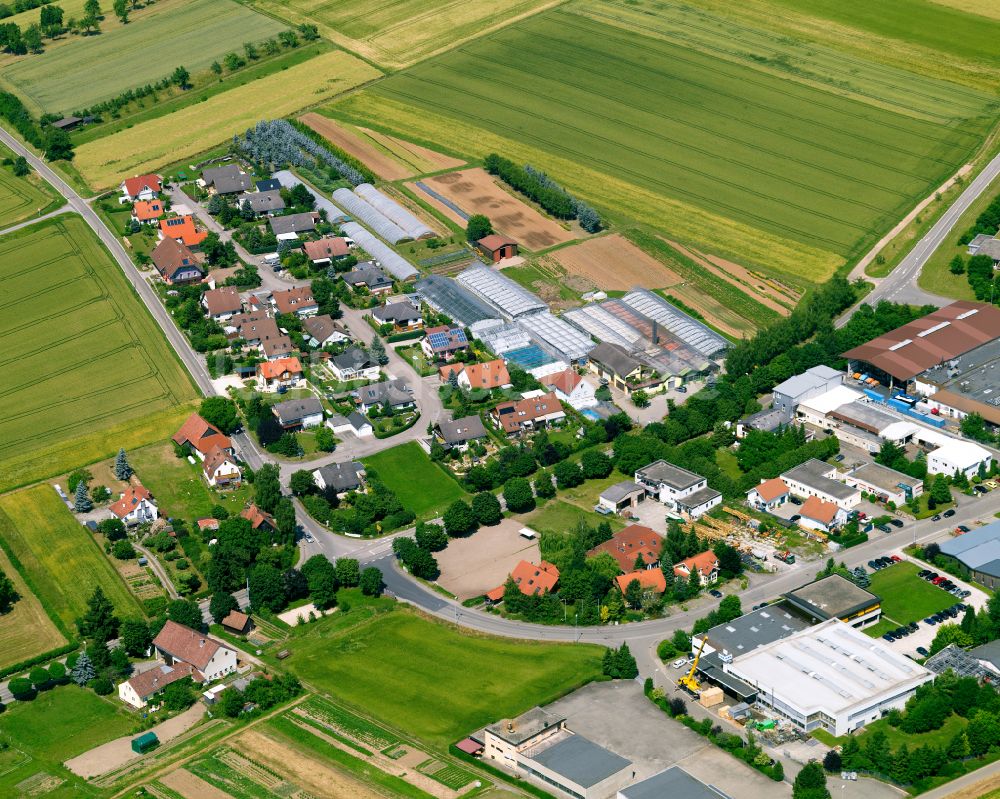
[675,783]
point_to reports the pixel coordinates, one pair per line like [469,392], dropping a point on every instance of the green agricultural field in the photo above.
[404,31]
[57,725]
[26,630]
[419,483]
[89,359]
[906,597]
[445,683]
[58,557]
[783,154]
[22,198]
[192,34]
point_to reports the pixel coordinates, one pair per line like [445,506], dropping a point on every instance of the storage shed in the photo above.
[145,743]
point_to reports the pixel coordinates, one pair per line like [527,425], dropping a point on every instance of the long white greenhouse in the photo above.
[388,258]
[395,212]
[511,299]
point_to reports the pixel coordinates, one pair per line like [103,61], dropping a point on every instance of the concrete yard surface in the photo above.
[473,565]
[619,717]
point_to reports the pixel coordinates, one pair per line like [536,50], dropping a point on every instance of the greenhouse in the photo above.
[377,221]
[333,213]
[598,322]
[511,299]
[385,256]
[447,297]
[393,211]
[679,324]
[500,337]
[559,337]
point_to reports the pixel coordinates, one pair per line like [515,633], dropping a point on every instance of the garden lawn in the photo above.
[419,483]
[179,487]
[906,597]
[58,556]
[25,630]
[444,683]
[88,370]
[688,127]
[557,516]
[57,725]
[22,197]
[194,33]
[195,128]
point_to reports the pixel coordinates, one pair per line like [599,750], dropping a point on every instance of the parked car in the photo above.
[889,637]
[922,652]
[895,558]
[884,528]
[796,501]
[949,513]
[896,522]
[839,458]
[981,490]
[678,663]
[795,518]
[923,572]
[936,517]
[962,528]
[716,593]
[930,620]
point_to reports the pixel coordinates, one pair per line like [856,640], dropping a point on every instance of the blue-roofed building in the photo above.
[979,552]
[442,342]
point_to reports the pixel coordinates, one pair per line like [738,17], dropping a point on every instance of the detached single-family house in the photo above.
[770,494]
[621,370]
[290,225]
[352,423]
[394,393]
[201,437]
[628,545]
[259,520]
[322,330]
[175,263]
[354,363]
[263,202]
[135,506]
[221,469]
[651,581]
[570,388]
[226,179]
[442,342]
[369,276]
[222,303]
[182,228]
[281,373]
[680,490]
[341,477]
[298,301]
[705,562]
[481,376]
[141,187]
[177,644]
[141,689]
[277,348]
[268,184]
[532,580]
[818,514]
[496,247]
[299,414]
[527,414]
[458,433]
[326,251]
[146,212]
[401,315]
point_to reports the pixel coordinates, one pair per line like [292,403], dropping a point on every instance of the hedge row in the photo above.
[343,155]
[42,658]
[405,336]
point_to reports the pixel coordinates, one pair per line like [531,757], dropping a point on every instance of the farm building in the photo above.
[508,297]
[830,676]
[621,496]
[177,644]
[496,247]
[138,690]
[675,782]
[836,597]
[385,257]
[449,298]
[623,371]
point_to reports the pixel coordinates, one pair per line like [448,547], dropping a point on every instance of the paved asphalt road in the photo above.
[901,283]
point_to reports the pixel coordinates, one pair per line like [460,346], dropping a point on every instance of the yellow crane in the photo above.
[688,682]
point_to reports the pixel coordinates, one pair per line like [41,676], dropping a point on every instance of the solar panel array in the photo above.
[511,299]
[444,338]
[449,298]
[387,258]
[684,327]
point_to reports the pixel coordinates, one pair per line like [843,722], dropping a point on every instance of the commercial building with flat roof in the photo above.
[751,630]
[674,783]
[892,485]
[680,490]
[830,676]
[836,597]
[816,380]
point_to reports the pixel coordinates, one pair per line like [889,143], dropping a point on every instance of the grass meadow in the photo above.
[90,361]
[401,32]
[195,128]
[60,558]
[418,482]
[26,630]
[735,149]
[55,726]
[192,34]
[22,198]
[446,682]
[906,597]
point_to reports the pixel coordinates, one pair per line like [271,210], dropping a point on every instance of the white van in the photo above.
[272,258]
[678,663]
[527,532]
